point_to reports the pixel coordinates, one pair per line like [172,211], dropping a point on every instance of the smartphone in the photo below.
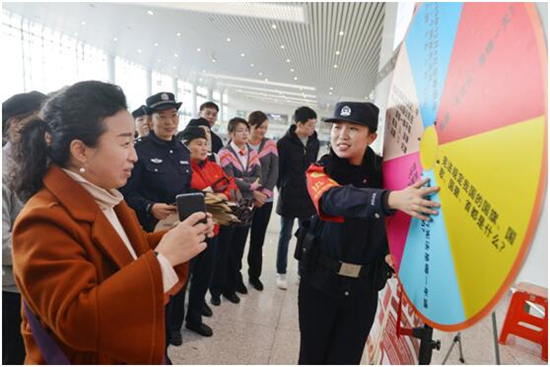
[190,203]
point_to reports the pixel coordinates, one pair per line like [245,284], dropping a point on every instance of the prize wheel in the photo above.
[467,108]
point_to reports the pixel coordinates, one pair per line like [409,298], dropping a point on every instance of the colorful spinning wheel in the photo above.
[467,108]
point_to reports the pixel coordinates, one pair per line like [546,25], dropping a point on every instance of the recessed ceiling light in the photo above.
[366,97]
[295,78]
[287,60]
[274,26]
[214,59]
[200,79]
[242,55]
[335,66]
[83,23]
[139,50]
[175,67]
[115,39]
[337,53]
[75,34]
[150,12]
[266,80]
[330,93]
[176,55]
[260,73]
[159,60]
[156,44]
[204,71]
[199,49]
[282,46]
[341,33]
[291,70]
[330,88]
[228,39]
[251,65]
[178,34]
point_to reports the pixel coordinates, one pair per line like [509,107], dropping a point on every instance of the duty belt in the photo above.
[342,268]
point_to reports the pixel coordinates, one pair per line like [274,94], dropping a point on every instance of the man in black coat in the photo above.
[298,149]
[209,111]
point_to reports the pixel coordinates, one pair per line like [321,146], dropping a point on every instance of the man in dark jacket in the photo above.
[209,111]
[297,150]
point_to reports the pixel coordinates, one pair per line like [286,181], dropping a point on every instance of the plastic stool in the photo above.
[516,314]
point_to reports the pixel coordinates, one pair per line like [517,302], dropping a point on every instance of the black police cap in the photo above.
[21,104]
[162,101]
[201,121]
[361,113]
[141,111]
[191,133]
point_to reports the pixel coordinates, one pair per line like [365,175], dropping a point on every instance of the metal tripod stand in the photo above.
[456,340]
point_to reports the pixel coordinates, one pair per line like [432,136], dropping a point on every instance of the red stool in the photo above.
[516,314]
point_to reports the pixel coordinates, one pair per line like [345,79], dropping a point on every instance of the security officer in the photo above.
[163,169]
[142,119]
[343,262]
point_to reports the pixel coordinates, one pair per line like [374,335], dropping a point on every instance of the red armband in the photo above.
[318,182]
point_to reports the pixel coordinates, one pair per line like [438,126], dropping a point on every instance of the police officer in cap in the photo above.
[163,169]
[142,119]
[344,261]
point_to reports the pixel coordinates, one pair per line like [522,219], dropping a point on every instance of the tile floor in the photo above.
[263,328]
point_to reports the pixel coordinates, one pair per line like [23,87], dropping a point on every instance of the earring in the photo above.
[82,170]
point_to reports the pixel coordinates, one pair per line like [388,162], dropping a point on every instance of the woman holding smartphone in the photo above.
[88,274]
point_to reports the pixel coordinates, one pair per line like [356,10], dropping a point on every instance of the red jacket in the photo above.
[210,174]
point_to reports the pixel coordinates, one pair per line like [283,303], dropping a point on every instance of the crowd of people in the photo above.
[90,224]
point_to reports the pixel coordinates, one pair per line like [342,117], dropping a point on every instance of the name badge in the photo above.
[156,160]
[184,162]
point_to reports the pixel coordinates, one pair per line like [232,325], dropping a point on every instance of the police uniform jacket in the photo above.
[351,204]
[80,281]
[294,160]
[163,170]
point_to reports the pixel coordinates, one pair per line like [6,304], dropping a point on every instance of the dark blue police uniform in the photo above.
[345,268]
[163,170]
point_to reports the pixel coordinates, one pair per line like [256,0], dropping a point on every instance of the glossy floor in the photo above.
[263,328]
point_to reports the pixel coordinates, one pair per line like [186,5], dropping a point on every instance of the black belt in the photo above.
[342,268]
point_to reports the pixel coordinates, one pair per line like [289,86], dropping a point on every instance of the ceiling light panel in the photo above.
[274,11]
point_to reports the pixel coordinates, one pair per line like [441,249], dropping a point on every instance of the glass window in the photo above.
[132,78]
[162,83]
[46,60]
[202,95]
[12,72]
[185,96]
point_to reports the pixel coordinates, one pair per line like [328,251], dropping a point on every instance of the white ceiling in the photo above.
[273,37]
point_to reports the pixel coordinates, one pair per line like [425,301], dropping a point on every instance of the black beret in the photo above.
[361,113]
[201,121]
[141,111]
[22,104]
[191,133]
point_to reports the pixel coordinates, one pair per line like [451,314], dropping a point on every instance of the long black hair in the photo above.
[74,112]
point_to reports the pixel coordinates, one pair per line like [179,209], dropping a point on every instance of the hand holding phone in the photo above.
[188,204]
